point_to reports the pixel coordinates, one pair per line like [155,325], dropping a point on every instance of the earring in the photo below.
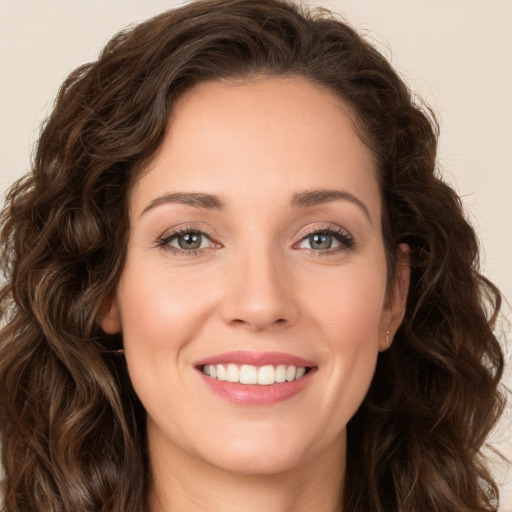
[388,343]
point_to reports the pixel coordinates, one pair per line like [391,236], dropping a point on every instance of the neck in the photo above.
[180,482]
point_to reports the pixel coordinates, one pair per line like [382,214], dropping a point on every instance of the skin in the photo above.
[255,284]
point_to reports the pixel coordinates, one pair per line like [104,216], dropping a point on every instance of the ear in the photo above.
[110,319]
[396,299]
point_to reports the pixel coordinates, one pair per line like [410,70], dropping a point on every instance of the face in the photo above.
[255,298]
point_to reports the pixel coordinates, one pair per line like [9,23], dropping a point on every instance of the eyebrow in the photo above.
[300,199]
[196,199]
[316,197]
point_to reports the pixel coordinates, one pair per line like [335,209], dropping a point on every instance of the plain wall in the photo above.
[456,54]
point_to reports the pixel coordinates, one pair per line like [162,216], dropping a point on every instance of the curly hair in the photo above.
[72,428]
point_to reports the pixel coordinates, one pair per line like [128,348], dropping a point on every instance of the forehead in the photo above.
[260,136]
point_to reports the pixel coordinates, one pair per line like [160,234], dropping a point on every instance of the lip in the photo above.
[255,359]
[250,394]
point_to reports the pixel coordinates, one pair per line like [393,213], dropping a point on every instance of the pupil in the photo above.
[319,241]
[189,241]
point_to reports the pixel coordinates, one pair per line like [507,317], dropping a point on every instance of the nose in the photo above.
[259,292]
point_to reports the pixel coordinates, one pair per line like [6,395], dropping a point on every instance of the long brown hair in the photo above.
[73,430]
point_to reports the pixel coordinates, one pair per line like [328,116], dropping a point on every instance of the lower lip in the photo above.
[252,394]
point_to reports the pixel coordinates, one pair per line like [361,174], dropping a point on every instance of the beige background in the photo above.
[456,54]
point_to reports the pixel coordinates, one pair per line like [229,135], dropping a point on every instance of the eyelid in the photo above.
[343,236]
[163,241]
[323,227]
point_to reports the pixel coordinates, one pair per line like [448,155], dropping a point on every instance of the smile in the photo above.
[256,378]
[259,375]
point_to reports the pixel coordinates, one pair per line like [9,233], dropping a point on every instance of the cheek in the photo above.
[162,313]
[160,308]
[356,314]
[348,314]
[348,304]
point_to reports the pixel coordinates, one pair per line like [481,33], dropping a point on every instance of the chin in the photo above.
[253,460]
[267,449]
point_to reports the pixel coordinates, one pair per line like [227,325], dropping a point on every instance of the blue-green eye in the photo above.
[319,241]
[188,240]
[327,240]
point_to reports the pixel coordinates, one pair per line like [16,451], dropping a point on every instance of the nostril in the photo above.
[241,322]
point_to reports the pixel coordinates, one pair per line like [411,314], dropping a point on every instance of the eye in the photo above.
[184,241]
[319,241]
[327,240]
[189,241]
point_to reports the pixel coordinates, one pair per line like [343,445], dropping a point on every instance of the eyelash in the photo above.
[164,241]
[345,240]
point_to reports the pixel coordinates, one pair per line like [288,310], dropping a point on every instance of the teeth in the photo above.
[281,373]
[249,374]
[266,375]
[221,372]
[232,373]
[300,373]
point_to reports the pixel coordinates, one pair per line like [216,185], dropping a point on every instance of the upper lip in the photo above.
[256,359]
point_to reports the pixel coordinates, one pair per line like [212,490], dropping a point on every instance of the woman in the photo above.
[234,280]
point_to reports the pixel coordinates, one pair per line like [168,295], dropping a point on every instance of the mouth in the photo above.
[256,375]
[254,378]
